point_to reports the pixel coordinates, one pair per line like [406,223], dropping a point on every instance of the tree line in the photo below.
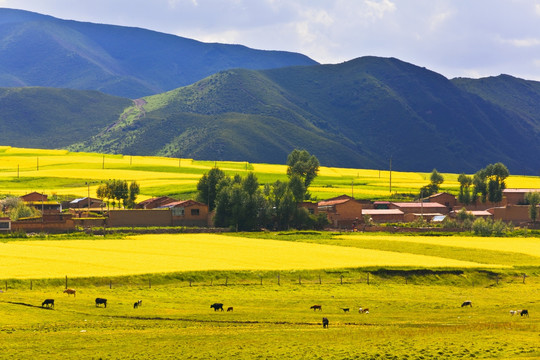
[242,204]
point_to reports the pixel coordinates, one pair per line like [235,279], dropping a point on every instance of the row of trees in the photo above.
[119,192]
[486,185]
[242,204]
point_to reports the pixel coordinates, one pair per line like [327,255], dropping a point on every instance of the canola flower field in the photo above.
[142,254]
[62,172]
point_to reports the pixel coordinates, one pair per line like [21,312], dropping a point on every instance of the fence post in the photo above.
[261,280]
[524,276]
[341,279]
[278,281]
[299,279]
[226,280]
[149,283]
[368,278]
[66,282]
[6,285]
[320,282]
[189,282]
[30,284]
[110,284]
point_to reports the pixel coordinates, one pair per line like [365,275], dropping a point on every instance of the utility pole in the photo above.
[390,174]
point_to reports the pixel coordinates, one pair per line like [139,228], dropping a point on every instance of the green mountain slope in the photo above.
[54,118]
[39,50]
[357,114]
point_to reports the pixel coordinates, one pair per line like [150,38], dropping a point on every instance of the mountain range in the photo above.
[360,113]
[40,50]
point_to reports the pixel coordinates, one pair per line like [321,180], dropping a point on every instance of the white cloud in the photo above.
[456,38]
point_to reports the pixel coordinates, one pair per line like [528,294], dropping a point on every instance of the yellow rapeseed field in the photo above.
[67,173]
[190,252]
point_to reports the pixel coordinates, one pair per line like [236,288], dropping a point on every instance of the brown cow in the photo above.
[70,292]
[316,307]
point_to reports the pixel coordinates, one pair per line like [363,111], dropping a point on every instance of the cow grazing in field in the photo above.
[363,311]
[345,309]
[48,303]
[316,307]
[524,313]
[467,303]
[101,301]
[230,308]
[137,304]
[70,292]
[217,306]
[514,312]
[325,322]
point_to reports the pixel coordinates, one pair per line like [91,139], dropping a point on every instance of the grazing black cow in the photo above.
[467,303]
[137,304]
[316,307]
[345,309]
[217,306]
[230,308]
[48,303]
[324,322]
[101,301]
[524,313]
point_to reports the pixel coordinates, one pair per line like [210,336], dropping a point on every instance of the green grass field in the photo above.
[271,280]
[75,174]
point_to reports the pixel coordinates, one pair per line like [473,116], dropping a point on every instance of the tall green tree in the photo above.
[304,165]
[533,198]
[465,183]
[496,175]
[436,179]
[208,187]
[134,191]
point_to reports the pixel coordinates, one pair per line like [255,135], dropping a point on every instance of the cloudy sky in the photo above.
[469,38]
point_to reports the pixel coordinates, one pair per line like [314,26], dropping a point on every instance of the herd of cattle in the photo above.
[49,303]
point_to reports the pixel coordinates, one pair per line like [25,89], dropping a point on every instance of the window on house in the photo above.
[178,211]
[195,212]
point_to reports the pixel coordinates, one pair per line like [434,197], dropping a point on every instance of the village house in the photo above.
[41,203]
[515,214]
[384,215]
[342,211]
[311,207]
[155,202]
[517,196]
[443,198]
[420,207]
[5,224]
[86,203]
[188,213]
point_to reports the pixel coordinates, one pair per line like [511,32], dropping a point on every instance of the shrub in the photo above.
[482,227]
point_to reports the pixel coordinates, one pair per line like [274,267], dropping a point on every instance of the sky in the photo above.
[456,38]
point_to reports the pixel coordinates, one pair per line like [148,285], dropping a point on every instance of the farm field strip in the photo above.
[192,252]
[528,246]
[19,174]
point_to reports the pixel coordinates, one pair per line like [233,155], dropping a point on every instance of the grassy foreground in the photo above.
[414,308]
[273,322]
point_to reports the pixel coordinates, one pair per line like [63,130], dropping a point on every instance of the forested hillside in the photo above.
[357,114]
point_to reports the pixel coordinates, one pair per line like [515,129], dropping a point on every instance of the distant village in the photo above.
[344,213]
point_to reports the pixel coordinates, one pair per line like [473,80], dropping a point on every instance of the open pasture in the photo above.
[70,173]
[414,295]
[273,322]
